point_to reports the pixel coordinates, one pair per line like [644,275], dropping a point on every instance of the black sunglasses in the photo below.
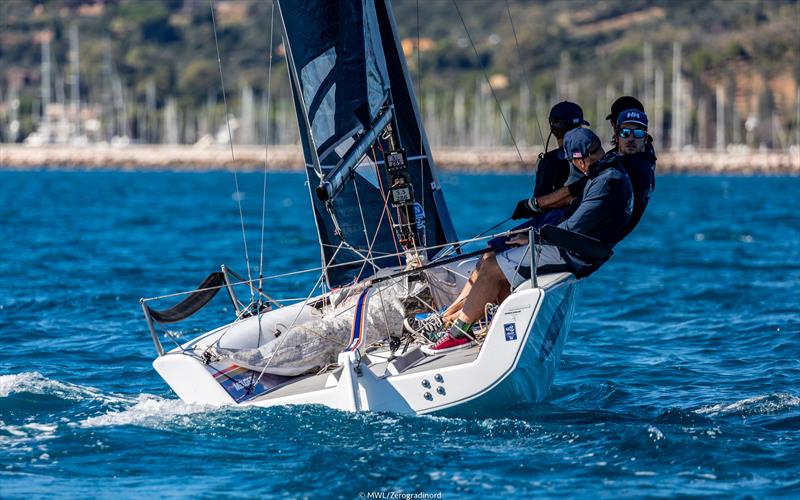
[636,133]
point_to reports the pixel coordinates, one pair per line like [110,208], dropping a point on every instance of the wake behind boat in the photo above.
[388,249]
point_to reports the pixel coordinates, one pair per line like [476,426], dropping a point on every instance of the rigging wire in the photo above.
[385,197]
[524,82]
[494,94]
[266,166]
[421,156]
[266,148]
[238,195]
[318,269]
[366,236]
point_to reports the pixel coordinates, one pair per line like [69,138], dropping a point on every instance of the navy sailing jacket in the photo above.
[551,173]
[602,211]
[641,169]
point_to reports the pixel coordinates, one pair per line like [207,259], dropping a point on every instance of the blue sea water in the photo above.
[680,376]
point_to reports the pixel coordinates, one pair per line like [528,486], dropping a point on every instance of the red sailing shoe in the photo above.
[446,344]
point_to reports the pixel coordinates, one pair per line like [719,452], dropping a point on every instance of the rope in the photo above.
[524,81]
[494,95]
[230,140]
[366,235]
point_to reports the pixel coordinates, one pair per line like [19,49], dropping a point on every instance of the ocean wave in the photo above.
[757,405]
[36,383]
[149,411]
[21,437]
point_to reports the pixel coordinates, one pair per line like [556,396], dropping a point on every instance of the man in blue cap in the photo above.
[638,158]
[552,172]
[601,211]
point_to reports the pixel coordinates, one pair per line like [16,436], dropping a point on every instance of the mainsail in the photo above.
[355,102]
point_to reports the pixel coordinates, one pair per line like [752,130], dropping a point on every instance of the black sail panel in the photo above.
[347,68]
[337,71]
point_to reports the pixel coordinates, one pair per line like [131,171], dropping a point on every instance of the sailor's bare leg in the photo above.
[451,312]
[490,285]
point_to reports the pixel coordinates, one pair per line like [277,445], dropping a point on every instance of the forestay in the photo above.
[349,82]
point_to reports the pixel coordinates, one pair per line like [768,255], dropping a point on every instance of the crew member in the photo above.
[551,171]
[601,211]
[638,158]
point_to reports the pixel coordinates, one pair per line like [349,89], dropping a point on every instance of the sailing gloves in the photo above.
[526,209]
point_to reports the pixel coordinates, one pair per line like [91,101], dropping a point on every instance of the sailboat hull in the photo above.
[515,365]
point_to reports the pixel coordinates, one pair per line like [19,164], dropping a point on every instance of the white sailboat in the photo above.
[382,222]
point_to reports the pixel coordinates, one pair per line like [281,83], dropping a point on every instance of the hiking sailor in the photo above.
[552,172]
[601,211]
[638,158]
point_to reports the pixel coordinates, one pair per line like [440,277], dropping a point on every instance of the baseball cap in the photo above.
[632,116]
[621,104]
[568,113]
[579,143]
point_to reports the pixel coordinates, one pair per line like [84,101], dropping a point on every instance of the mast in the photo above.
[75,80]
[373,186]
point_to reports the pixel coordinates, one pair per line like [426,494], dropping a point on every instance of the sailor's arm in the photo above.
[560,197]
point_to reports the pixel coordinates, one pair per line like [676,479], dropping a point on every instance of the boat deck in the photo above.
[377,364]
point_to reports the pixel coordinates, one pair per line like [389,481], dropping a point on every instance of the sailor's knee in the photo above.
[488,256]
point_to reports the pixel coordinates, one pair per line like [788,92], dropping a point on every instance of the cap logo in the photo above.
[632,114]
[576,120]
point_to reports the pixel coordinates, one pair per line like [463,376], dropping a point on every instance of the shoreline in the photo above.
[289,158]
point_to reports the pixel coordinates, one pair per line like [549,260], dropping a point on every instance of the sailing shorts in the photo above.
[516,262]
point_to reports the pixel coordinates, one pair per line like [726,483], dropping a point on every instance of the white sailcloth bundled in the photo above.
[357,316]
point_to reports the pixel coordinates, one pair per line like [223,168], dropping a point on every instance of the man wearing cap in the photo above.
[601,211]
[638,158]
[623,103]
[551,171]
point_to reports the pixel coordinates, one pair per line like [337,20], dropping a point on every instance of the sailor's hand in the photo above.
[518,240]
[524,210]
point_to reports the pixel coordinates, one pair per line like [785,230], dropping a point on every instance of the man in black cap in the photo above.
[638,157]
[551,171]
[601,211]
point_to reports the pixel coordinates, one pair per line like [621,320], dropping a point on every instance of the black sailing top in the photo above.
[551,173]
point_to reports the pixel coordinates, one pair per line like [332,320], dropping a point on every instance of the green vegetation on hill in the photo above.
[583,49]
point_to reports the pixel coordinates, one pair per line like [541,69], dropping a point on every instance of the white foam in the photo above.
[36,383]
[757,405]
[655,433]
[21,434]
[149,411]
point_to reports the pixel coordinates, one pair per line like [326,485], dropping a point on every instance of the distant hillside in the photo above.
[148,66]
